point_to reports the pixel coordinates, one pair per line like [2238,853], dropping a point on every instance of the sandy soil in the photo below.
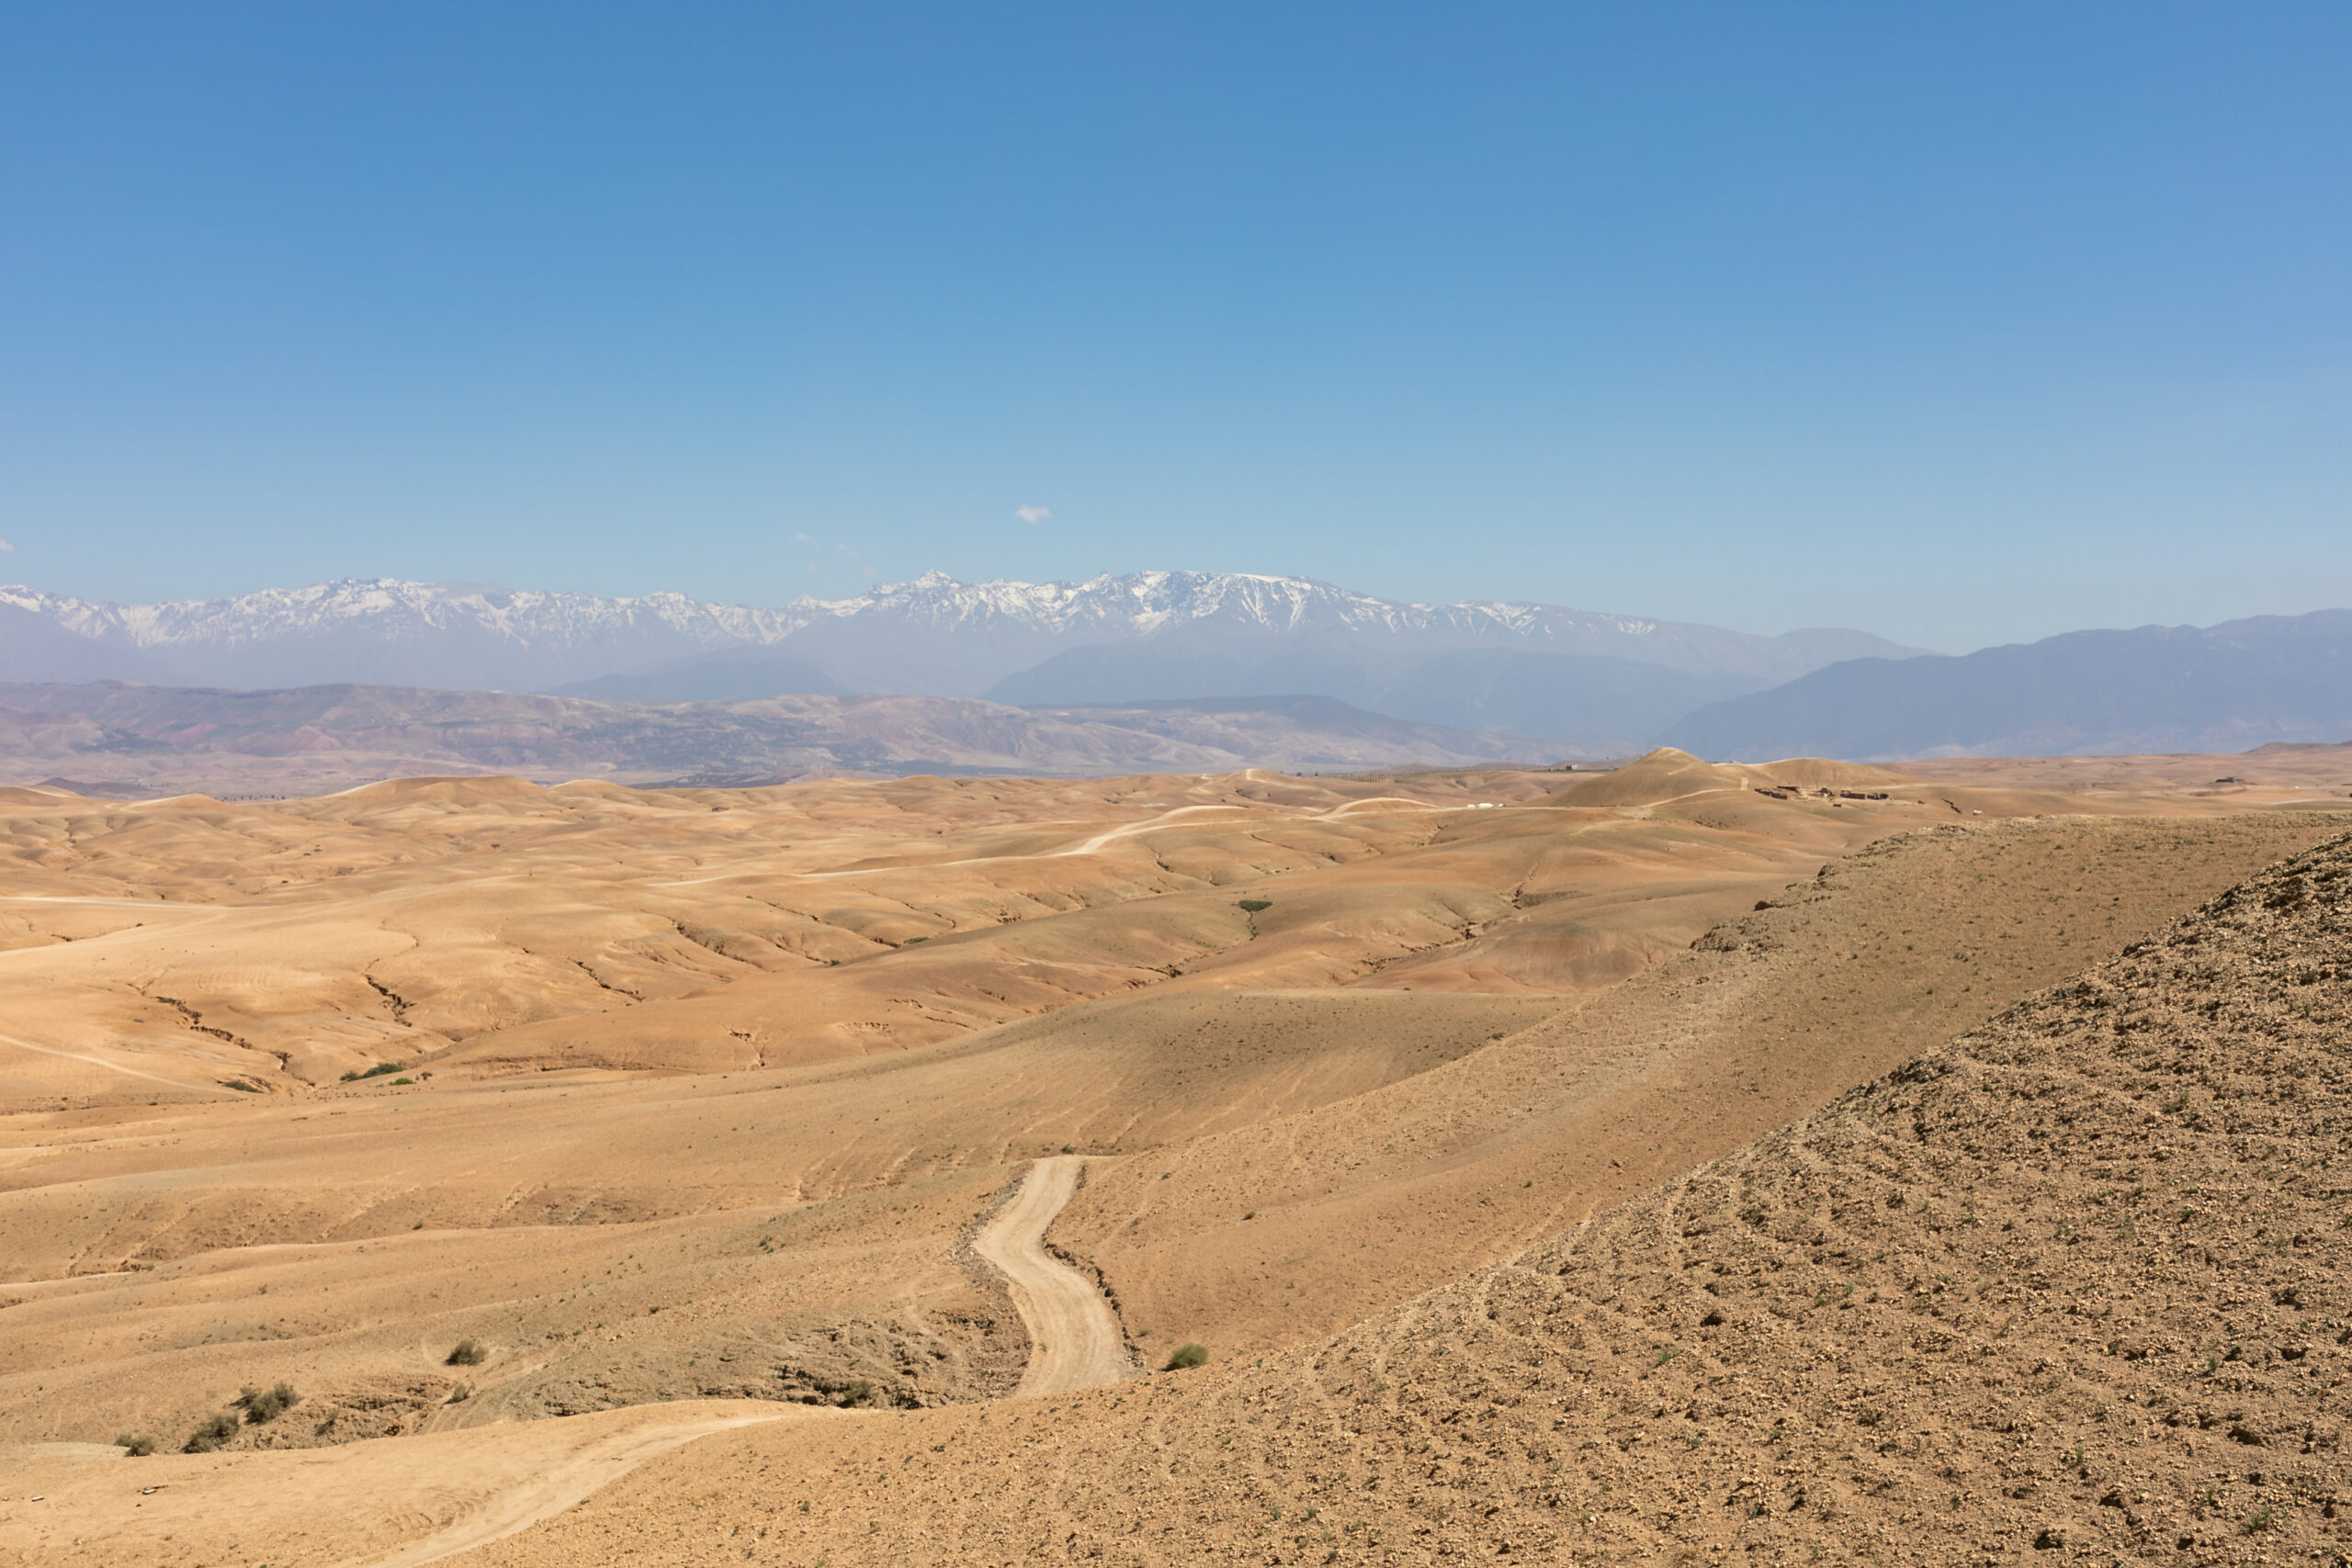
[389,1504]
[2070,1289]
[702,1098]
[1278,1232]
[2268,775]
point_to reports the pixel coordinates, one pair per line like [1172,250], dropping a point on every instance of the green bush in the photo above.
[377,1071]
[1252,906]
[859,1393]
[136,1447]
[1187,1356]
[217,1429]
[467,1354]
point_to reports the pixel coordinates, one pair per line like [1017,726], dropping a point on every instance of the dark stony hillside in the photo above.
[2077,1286]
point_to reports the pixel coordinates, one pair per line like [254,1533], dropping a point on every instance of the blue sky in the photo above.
[1962,325]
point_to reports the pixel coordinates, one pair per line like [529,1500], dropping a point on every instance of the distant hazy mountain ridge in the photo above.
[931,636]
[2222,688]
[1502,678]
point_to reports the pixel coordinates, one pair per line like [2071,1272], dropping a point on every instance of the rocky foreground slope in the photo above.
[2075,1285]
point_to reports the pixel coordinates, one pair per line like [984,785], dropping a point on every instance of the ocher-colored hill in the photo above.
[493,927]
[1358,1202]
[2076,1284]
[723,1085]
[1663,775]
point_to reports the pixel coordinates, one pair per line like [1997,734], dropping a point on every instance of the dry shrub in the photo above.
[218,1429]
[268,1403]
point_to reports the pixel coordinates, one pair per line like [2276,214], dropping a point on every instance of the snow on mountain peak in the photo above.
[934,633]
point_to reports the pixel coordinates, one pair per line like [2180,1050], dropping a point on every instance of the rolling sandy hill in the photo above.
[716,1106]
[2074,1283]
[491,926]
[1358,1202]
[2271,773]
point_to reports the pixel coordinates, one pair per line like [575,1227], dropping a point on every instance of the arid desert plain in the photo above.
[1681,1163]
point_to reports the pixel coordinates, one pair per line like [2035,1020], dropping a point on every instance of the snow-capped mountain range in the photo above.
[934,635]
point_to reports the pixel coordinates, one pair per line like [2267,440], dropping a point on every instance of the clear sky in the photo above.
[1963,323]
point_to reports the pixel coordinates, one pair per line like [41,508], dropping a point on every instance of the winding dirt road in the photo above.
[1074,1341]
[407,1502]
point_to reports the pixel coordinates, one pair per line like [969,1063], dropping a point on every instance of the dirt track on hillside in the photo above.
[1074,1343]
[514,1479]
[1074,1339]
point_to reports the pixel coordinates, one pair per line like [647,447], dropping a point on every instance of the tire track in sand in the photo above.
[572,1479]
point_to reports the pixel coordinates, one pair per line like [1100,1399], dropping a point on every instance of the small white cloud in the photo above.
[1032,514]
[803,538]
[6,548]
